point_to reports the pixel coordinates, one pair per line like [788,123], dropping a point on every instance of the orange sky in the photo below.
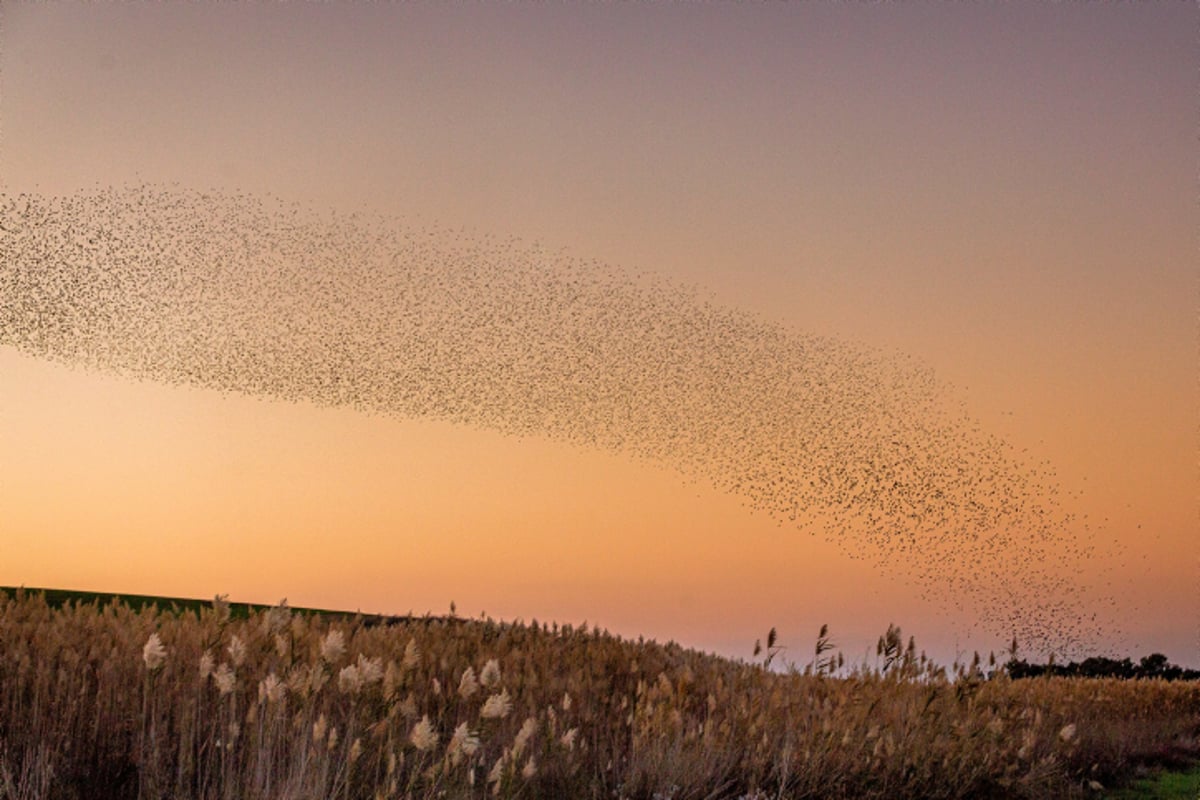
[1004,192]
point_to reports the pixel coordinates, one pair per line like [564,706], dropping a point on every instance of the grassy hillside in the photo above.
[159,698]
[57,598]
[1161,785]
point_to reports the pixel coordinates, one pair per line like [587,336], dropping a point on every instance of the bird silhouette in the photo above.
[253,295]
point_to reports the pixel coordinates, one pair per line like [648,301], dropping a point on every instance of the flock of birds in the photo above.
[245,294]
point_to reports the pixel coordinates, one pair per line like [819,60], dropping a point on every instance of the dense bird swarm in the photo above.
[245,294]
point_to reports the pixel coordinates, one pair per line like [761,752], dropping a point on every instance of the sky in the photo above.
[1004,193]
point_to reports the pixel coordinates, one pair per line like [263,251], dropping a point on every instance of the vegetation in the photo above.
[103,701]
[1154,665]
[1161,786]
[57,598]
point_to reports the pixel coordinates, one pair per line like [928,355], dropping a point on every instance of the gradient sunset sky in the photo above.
[1005,192]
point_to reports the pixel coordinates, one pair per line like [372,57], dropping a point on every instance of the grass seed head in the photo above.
[271,689]
[350,680]
[463,743]
[412,654]
[224,678]
[221,607]
[207,665]
[496,706]
[333,646]
[497,771]
[237,651]
[490,677]
[423,736]
[523,736]
[370,669]
[154,653]
[468,685]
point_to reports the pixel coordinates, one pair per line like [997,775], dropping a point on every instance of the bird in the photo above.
[252,294]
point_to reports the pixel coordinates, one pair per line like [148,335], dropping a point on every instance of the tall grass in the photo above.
[101,701]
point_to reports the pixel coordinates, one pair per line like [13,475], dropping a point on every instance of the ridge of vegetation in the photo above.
[105,701]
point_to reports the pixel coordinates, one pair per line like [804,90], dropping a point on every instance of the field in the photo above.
[151,699]
[1163,785]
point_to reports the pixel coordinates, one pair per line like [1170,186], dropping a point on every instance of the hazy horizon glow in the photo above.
[1005,194]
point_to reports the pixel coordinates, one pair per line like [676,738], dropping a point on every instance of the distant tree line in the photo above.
[1151,666]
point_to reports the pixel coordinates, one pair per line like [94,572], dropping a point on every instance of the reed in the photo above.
[104,702]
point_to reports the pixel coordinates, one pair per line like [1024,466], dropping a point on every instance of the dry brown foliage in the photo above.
[283,705]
